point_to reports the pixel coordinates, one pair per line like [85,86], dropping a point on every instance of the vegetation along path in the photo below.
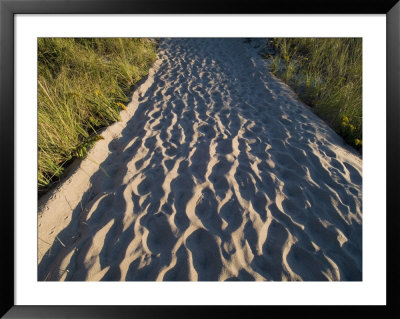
[216,172]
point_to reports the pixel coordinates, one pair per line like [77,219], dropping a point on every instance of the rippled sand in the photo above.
[216,172]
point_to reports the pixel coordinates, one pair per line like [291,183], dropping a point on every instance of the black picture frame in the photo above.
[8,8]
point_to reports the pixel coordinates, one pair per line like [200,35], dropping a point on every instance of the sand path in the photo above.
[216,172]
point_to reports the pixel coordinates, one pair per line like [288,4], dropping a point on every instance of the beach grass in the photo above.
[83,84]
[326,73]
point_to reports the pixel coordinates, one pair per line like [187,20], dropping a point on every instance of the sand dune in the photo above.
[217,172]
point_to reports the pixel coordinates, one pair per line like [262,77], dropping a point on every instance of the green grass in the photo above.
[83,85]
[326,73]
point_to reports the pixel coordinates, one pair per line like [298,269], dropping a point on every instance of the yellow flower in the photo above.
[357,142]
[345,119]
[97,92]
[351,127]
[121,105]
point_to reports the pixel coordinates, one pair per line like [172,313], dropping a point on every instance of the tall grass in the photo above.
[326,73]
[82,86]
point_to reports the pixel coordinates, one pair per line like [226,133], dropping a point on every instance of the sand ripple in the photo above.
[216,172]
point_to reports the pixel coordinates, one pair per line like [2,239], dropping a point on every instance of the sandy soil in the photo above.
[217,172]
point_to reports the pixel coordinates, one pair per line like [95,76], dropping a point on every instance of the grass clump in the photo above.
[326,73]
[83,84]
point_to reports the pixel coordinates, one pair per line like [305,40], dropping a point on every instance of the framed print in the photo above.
[240,155]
